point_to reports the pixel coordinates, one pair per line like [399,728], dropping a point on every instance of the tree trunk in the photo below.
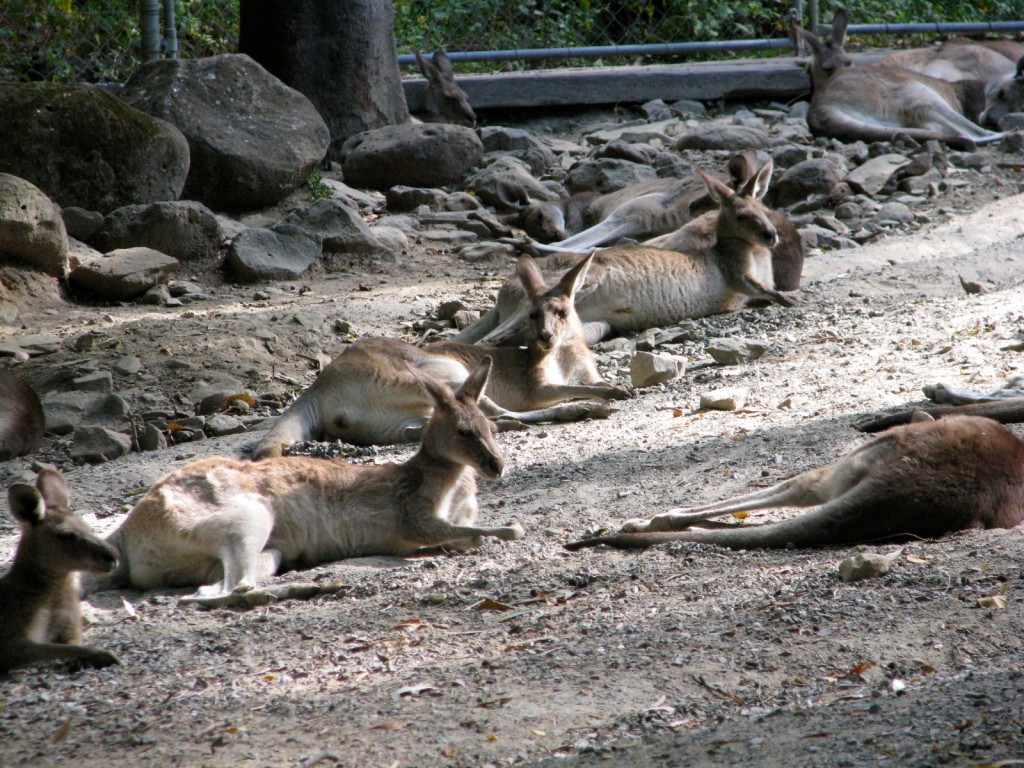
[341,54]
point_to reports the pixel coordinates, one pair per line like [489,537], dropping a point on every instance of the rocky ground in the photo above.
[521,653]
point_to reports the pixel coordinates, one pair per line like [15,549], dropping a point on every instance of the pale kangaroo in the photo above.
[920,480]
[1004,96]
[630,288]
[1005,405]
[39,611]
[443,101]
[368,395]
[21,417]
[961,58]
[879,101]
[223,525]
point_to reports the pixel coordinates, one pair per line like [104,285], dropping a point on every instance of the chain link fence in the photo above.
[98,40]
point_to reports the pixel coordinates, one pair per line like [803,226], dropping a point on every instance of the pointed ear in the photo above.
[919,416]
[572,280]
[719,192]
[53,488]
[741,167]
[812,40]
[839,24]
[473,386]
[531,278]
[444,64]
[429,70]
[27,505]
[757,186]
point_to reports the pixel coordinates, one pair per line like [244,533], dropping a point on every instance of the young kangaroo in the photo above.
[879,101]
[920,480]
[443,101]
[630,288]
[21,417]
[224,525]
[39,613]
[1005,405]
[368,395]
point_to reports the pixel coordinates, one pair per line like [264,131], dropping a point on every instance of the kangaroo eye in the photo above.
[535,315]
[562,314]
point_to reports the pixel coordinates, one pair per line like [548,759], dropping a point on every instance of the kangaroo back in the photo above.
[39,611]
[21,417]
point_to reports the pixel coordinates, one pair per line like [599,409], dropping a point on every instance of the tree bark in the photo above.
[340,53]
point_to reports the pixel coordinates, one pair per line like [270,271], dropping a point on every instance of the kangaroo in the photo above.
[880,101]
[443,101]
[920,480]
[39,612]
[630,288]
[961,58]
[644,209]
[787,255]
[21,417]
[224,525]
[368,396]
[1005,405]
[1004,96]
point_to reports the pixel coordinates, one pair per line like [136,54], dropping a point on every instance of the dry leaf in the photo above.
[413,690]
[741,515]
[390,725]
[537,732]
[128,607]
[487,604]
[62,732]
[918,560]
[492,737]
[992,601]
[677,412]
[861,668]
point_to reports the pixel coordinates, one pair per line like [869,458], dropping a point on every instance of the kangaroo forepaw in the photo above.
[635,525]
[515,532]
[100,658]
[582,411]
[785,299]
[622,393]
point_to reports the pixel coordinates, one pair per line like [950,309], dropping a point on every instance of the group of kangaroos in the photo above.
[222,526]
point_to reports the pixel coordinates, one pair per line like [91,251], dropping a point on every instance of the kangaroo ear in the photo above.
[1020,68]
[719,192]
[27,505]
[444,64]
[812,40]
[53,488]
[920,416]
[429,70]
[839,24]
[572,280]
[473,386]
[741,167]
[757,187]
[531,278]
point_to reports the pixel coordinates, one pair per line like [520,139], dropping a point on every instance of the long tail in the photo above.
[473,333]
[1008,411]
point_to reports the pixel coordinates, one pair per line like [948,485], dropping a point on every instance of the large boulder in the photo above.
[84,147]
[414,155]
[184,229]
[123,274]
[253,139]
[31,227]
[282,252]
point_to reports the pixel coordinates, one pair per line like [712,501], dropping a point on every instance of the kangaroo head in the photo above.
[553,318]
[443,99]
[544,221]
[1004,97]
[458,430]
[829,55]
[742,215]
[54,540]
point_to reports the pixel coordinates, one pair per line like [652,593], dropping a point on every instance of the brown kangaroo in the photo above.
[630,288]
[368,396]
[39,612]
[1004,96]
[21,417]
[920,480]
[443,101]
[224,525]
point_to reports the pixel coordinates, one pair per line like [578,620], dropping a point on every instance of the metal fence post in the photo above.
[170,42]
[812,16]
[149,23]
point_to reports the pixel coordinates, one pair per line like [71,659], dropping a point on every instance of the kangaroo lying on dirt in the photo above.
[920,480]
[443,101]
[961,58]
[368,395]
[1004,96]
[630,288]
[224,525]
[879,101]
[1005,405]
[21,417]
[39,611]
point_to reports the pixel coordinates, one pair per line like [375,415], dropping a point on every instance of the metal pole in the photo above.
[170,45]
[812,16]
[149,23]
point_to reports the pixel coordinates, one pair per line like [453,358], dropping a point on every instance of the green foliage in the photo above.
[316,187]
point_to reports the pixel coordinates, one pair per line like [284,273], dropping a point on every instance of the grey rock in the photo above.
[726,399]
[392,239]
[868,565]
[871,177]
[485,251]
[31,227]
[84,147]
[340,228]
[124,273]
[520,143]
[734,138]
[507,184]
[80,223]
[65,411]
[896,212]
[159,296]
[1014,121]
[283,252]
[461,201]
[736,351]
[253,140]
[816,176]
[606,175]
[129,365]
[221,424]
[642,154]
[152,438]
[31,344]
[186,230]
[96,445]
[647,369]
[973,285]
[100,381]
[402,198]
[414,155]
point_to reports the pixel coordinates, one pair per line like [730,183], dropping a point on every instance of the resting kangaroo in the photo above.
[630,288]
[21,417]
[369,396]
[443,101]
[961,58]
[1005,405]
[221,524]
[879,101]
[39,612]
[920,480]
[1004,96]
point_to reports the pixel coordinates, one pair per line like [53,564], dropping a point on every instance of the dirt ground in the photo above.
[521,653]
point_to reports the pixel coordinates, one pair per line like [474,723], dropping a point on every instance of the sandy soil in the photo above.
[521,652]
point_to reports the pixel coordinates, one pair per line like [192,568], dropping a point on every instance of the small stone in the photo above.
[152,439]
[128,365]
[726,399]
[221,424]
[96,445]
[100,381]
[865,566]
[648,370]
[734,351]
[448,309]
